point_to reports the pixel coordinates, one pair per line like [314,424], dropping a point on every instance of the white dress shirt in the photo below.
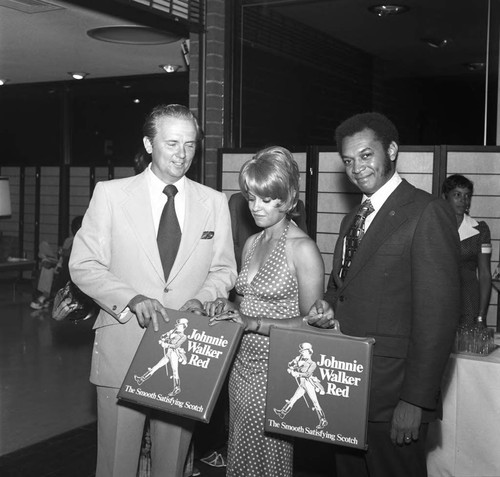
[159,199]
[378,198]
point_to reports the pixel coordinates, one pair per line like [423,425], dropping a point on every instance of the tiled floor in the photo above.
[47,413]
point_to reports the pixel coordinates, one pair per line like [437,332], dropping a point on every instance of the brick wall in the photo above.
[211,67]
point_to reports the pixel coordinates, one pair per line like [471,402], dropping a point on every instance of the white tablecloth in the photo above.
[467,442]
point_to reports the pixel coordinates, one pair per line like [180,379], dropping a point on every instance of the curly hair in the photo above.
[383,128]
[454,181]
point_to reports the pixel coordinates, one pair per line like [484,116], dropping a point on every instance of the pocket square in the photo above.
[208,234]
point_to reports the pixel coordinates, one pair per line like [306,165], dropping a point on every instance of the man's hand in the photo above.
[405,423]
[193,306]
[320,315]
[147,310]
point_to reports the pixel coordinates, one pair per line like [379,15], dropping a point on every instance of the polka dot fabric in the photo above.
[273,293]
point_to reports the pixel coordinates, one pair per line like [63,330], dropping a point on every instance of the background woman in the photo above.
[475,241]
[282,276]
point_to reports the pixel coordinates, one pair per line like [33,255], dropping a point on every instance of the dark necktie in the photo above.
[355,235]
[169,232]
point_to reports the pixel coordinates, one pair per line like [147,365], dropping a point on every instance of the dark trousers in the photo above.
[383,458]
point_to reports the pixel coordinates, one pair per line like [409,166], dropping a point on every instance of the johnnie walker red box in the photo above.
[181,368]
[318,386]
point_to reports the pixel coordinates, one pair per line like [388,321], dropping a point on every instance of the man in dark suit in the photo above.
[401,286]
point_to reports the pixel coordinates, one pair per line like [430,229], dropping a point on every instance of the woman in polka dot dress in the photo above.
[281,277]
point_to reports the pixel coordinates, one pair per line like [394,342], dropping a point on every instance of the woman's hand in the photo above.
[218,306]
[229,315]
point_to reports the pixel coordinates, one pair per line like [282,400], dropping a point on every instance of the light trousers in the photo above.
[120,428]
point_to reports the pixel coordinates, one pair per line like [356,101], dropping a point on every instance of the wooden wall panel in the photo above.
[10,226]
[79,191]
[29,211]
[49,206]
[121,172]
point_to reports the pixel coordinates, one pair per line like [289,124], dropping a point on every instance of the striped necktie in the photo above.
[355,235]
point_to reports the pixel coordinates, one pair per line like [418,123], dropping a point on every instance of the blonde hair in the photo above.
[273,173]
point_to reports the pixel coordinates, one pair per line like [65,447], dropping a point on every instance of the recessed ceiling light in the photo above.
[437,42]
[132,35]
[78,75]
[170,68]
[386,10]
[3,81]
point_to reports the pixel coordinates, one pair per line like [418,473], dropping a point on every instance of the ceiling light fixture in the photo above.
[78,75]
[387,10]
[132,35]
[3,81]
[437,42]
[170,68]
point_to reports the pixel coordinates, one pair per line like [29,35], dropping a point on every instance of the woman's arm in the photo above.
[484,270]
[309,272]
[484,273]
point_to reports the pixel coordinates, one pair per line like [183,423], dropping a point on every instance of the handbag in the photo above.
[70,303]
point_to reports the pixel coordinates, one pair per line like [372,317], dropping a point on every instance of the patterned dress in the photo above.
[470,249]
[273,293]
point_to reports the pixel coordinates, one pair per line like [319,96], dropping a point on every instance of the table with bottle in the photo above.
[464,443]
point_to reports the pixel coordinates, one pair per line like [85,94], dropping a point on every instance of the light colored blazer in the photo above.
[115,257]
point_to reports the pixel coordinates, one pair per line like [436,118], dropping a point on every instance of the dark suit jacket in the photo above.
[402,289]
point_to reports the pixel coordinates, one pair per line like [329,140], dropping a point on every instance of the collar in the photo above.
[467,227]
[378,198]
[156,185]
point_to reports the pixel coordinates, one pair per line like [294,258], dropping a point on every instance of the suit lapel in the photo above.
[137,210]
[195,220]
[388,219]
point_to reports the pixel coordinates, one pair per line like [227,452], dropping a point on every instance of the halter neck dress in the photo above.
[272,293]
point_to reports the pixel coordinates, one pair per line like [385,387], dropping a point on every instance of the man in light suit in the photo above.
[116,261]
[402,288]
